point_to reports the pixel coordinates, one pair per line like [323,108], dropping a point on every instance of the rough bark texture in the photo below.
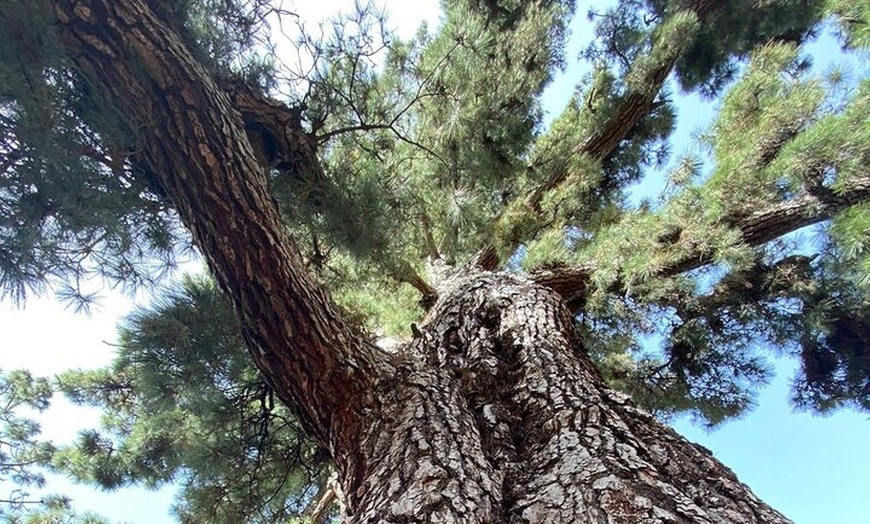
[196,144]
[492,414]
[559,446]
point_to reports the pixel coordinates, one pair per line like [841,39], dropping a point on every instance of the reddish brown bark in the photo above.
[195,143]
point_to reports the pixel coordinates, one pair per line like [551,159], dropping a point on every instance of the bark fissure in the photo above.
[425,458]
[567,448]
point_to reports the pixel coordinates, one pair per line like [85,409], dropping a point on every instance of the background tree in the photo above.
[24,458]
[20,452]
[183,403]
[404,173]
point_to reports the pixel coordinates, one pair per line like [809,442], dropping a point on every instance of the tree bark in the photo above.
[493,414]
[557,445]
[195,143]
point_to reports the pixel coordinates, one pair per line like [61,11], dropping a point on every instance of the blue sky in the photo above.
[815,470]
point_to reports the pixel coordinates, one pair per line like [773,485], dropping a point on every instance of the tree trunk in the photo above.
[492,414]
[497,415]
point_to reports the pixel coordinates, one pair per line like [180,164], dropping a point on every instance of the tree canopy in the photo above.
[395,163]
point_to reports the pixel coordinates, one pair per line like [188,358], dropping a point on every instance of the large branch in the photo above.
[196,144]
[603,141]
[758,228]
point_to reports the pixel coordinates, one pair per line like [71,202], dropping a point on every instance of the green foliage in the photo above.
[733,33]
[379,303]
[834,351]
[854,21]
[56,512]
[227,36]
[23,456]
[778,133]
[831,328]
[772,104]
[551,248]
[709,55]
[850,241]
[70,207]
[835,149]
[183,403]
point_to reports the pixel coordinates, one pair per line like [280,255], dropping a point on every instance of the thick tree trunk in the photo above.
[497,415]
[492,414]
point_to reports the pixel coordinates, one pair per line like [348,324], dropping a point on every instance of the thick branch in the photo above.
[571,282]
[782,218]
[409,275]
[756,229]
[197,145]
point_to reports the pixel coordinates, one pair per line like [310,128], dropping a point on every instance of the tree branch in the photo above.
[198,148]
[407,274]
[279,141]
[21,502]
[275,131]
[320,506]
[604,140]
[758,228]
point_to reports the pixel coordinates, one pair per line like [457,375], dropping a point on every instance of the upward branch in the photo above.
[196,144]
[275,132]
[605,139]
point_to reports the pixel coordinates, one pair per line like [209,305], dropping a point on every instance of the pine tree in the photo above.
[24,457]
[409,188]
[21,453]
